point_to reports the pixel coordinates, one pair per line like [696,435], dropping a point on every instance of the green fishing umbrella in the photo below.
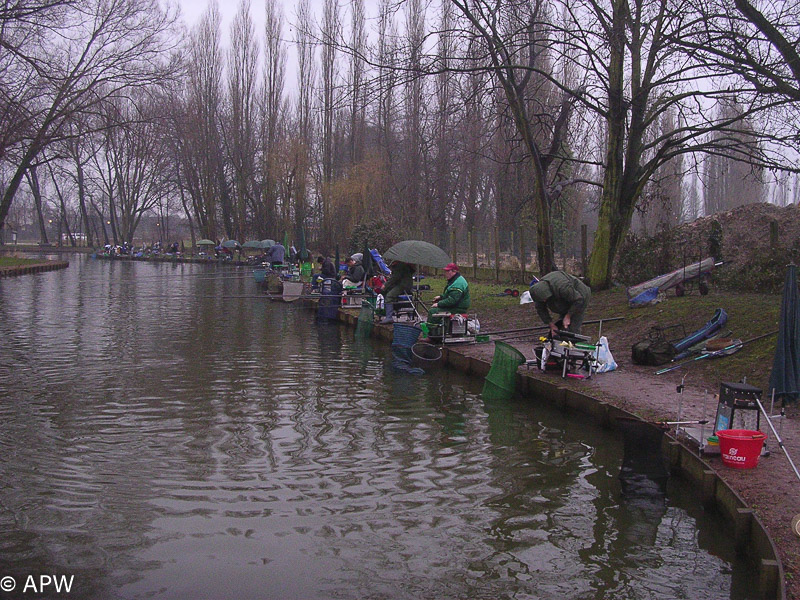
[255,244]
[785,375]
[417,252]
[205,242]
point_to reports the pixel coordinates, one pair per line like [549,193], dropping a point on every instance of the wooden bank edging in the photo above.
[749,533]
[30,269]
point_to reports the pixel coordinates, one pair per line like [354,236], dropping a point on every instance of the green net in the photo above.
[501,379]
[366,319]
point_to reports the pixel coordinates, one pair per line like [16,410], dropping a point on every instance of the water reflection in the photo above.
[166,437]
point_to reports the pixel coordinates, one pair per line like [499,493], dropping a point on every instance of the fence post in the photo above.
[497,254]
[453,248]
[522,252]
[474,253]
[773,234]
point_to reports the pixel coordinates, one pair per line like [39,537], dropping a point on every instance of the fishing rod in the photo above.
[544,327]
[719,352]
[265,295]
[777,437]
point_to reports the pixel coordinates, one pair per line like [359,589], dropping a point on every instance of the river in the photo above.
[166,434]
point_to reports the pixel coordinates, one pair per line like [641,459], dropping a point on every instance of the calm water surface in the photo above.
[163,438]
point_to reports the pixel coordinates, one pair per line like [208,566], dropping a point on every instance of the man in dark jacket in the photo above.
[400,282]
[277,254]
[566,296]
[327,267]
[355,271]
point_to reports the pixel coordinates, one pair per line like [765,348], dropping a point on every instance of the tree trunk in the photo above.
[33,181]
[610,220]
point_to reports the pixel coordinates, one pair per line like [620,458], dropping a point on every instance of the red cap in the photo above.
[451,267]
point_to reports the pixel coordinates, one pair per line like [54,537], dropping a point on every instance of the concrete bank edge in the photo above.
[31,269]
[749,533]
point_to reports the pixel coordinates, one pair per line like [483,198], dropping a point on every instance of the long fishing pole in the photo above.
[543,327]
[279,296]
[719,352]
[777,437]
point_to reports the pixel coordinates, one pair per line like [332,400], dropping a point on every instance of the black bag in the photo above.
[653,352]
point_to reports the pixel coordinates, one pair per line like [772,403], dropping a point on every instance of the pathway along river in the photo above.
[161,438]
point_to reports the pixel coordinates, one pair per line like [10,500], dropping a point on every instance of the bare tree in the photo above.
[413,186]
[134,162]
[444,169]
[32,175]
[70,57]
[516,38]
[758,42]
[273,108]
[300,146]
[387,81]
[358,42]
[331,32]
[731,181]
[199,129]
[242,65]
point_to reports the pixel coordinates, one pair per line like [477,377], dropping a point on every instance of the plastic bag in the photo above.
[603,357]
[474,326]
[525,297]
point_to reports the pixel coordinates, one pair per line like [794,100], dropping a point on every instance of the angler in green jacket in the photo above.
[400,282]
[566,296]
[455,297]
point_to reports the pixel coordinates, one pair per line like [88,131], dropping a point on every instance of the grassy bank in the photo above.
[749,315]
[12,261]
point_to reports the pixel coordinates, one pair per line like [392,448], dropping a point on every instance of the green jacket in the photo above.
[455,295]
[560,293]
[402,277]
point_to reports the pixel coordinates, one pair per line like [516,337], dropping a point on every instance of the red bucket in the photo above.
[740,448]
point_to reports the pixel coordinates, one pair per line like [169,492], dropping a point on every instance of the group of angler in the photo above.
[560,299]
[154,249]
[454,298]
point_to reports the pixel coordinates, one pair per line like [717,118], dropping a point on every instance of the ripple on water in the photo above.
[163,439]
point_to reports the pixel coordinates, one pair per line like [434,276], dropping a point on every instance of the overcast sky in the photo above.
[192,10]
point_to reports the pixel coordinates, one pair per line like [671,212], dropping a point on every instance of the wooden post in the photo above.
[522,252]
[773,234]
[496,254]
[584,246]
[453,248]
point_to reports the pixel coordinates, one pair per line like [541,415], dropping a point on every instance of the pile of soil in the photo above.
[753,242]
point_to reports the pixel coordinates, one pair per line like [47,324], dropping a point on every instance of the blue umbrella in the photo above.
[785,376]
